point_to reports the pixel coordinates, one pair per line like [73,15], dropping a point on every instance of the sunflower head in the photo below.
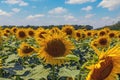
[78,35]
[14,30]
[54,46]
[25,50]
[103,41]
[30,32]
[107,66]
[39,35]
[54,30]
[101,70]
[112,34]
[21,34]
[69,30]
[102,32]
[7,30]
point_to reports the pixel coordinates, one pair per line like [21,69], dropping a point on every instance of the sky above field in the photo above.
[96,13]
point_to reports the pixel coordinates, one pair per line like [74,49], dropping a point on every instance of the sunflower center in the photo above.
[78,34]
[68,31]
[7,31]
[41,34]
[55,48]
[111,35]
[103,41]
[27,49]
[83,35]
[102,33]
[89,34]
[22,34]
[31,33]
[104,71]
[14,30]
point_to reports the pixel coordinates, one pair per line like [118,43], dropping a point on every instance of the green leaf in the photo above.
[37,73]
[69,57]
[68,73]
[11,58]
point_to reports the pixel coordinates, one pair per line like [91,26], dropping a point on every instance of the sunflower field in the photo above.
[59,54]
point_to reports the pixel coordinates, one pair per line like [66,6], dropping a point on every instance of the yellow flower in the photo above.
[69,30]
[103,41]
[25,50]
[102,32]
[39,34]
[21,34]
[14,30]
[112,34]
[78,35]
[54,46]
[108,65]
[30,32]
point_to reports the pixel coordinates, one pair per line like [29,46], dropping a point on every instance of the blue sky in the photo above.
[96,13]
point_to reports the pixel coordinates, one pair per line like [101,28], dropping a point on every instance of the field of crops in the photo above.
[59,54]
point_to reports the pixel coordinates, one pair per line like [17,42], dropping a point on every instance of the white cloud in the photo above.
[35,16]
[19,2]
[57,10]
[16,10]
[4,13]
[69,17]
[110,4]
[88,8]
[105,18]
[89,15]
[78,1]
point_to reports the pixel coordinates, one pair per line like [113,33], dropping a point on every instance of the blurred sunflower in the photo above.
[78,35]
[7,30]
[54,30]
[102,32]
[54,46]
[21,34]
[39,34]
[5,34]
[103,41]
[25,50]
[30,32]
[107,29]
[112,34]
[14,30]
[89,33]
[69,30]
[108,65]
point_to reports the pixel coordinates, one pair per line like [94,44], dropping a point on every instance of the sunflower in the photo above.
[14,30]
[54,46]
[103,41]
[54,30]
[102,32]
[69,30]
[25,50]
[30,32]
[5,34]
[89,33]
[21,34]
[112,34]
[94,43]
[108,65]
[39,34]
[78,35]
[7,30]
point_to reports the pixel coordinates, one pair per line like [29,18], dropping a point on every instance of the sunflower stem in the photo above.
[53,72]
